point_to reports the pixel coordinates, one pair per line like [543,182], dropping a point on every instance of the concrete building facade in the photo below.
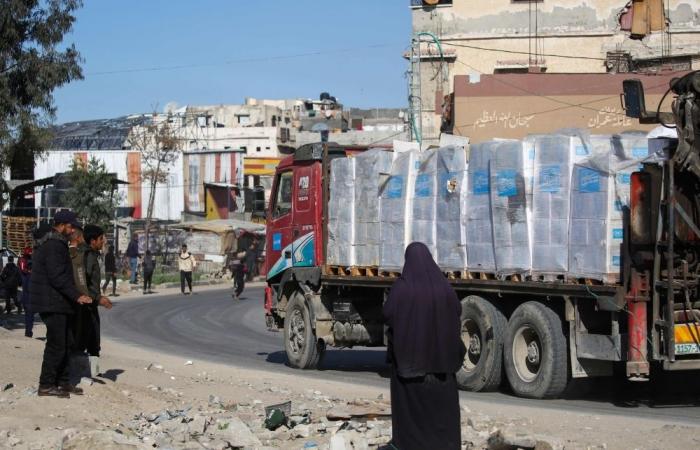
[558,36]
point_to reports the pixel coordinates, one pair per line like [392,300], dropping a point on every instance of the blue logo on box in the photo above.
[424,185]
[618,233]
[480,182]
[581,150]
[277,242]
[550,178]
[506,183]
[588,180]
[640,152]
[616,260]
[624,178]
[394,187]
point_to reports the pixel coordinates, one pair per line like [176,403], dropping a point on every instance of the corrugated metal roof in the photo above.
[106,134]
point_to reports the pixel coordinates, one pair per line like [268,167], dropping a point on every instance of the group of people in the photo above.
[186,264]
[65,290]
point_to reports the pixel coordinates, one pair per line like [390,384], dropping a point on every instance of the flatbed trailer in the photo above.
[539,333]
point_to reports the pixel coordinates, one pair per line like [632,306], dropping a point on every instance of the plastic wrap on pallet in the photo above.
[555,156]
[509,207]
[341,213]
[600,192]
[424,201]
[451,208]
[396,211]
[372,168]
[480,249]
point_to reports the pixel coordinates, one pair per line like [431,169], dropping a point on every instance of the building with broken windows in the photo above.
[502,43]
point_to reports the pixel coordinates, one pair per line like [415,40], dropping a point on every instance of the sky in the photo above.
[142,55]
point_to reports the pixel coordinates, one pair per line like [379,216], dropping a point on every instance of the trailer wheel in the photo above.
[483,328]
[300,343]
[535,352]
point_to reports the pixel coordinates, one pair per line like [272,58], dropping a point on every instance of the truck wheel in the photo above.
[535,352]
[483,328]
[300,343]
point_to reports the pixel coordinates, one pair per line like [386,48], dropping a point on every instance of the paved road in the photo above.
[210,326]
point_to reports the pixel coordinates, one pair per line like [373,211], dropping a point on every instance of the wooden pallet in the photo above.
[364,271]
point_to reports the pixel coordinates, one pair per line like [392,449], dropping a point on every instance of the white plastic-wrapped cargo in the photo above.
[341,213]
[600,192]
[396,211]
[480,249]
[555,156]
[509,207]
[452,208]
[424,201]
[372,168]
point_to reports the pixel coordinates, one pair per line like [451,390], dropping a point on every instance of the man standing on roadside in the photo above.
[149,266]
[132,252]
[186,263]
[11,280]
[25,267]
[110,271]
[95,240]
[54,296]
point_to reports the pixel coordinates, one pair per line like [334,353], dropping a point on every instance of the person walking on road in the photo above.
[425,350]
[149,266]
[132,252]
[25,268]
[251,261]
[52,294]
[11,279]
[90,317]
[186,263]
[110,271]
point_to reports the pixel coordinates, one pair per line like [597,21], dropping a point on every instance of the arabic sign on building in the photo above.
[513,106]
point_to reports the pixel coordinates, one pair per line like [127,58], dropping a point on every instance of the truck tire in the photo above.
[483,329]
[300,343]
[535,353]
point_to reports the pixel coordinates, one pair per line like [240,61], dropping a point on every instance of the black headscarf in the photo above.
[423,315]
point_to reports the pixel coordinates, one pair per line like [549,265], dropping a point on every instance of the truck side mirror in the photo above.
[633,101]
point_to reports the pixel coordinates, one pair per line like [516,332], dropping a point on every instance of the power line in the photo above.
[502,50]
[241,61]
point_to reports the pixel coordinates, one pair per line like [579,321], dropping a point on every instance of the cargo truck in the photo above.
[538,332]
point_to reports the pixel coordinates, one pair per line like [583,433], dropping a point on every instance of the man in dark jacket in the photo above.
[95,240]
[132,252]
[52,294]
[149,266]
[110,271]
[11,280]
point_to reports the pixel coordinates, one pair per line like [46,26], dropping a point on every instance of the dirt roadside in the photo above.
[147,400]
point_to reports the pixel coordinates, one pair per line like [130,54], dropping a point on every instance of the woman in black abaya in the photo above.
[425,350]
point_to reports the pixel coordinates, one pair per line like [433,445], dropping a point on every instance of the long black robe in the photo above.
[425,350]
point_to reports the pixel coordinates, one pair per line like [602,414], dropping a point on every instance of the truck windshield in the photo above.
[283,196]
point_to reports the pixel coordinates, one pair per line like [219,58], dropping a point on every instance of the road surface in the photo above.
[209,325]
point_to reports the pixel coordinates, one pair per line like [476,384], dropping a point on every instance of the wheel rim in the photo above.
[471,336]
[527,353]
[297,332]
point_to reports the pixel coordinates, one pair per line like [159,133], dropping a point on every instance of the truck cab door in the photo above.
[305,222]
[280,223]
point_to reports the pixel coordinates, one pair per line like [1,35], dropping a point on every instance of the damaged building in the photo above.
[457,46]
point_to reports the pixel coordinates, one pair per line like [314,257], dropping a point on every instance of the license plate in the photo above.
[687,349]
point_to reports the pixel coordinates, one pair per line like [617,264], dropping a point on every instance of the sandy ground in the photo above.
[139,381]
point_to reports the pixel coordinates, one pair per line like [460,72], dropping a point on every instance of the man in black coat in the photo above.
[11,280]
[52,294]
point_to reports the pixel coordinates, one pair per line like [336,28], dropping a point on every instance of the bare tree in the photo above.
[159,143]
